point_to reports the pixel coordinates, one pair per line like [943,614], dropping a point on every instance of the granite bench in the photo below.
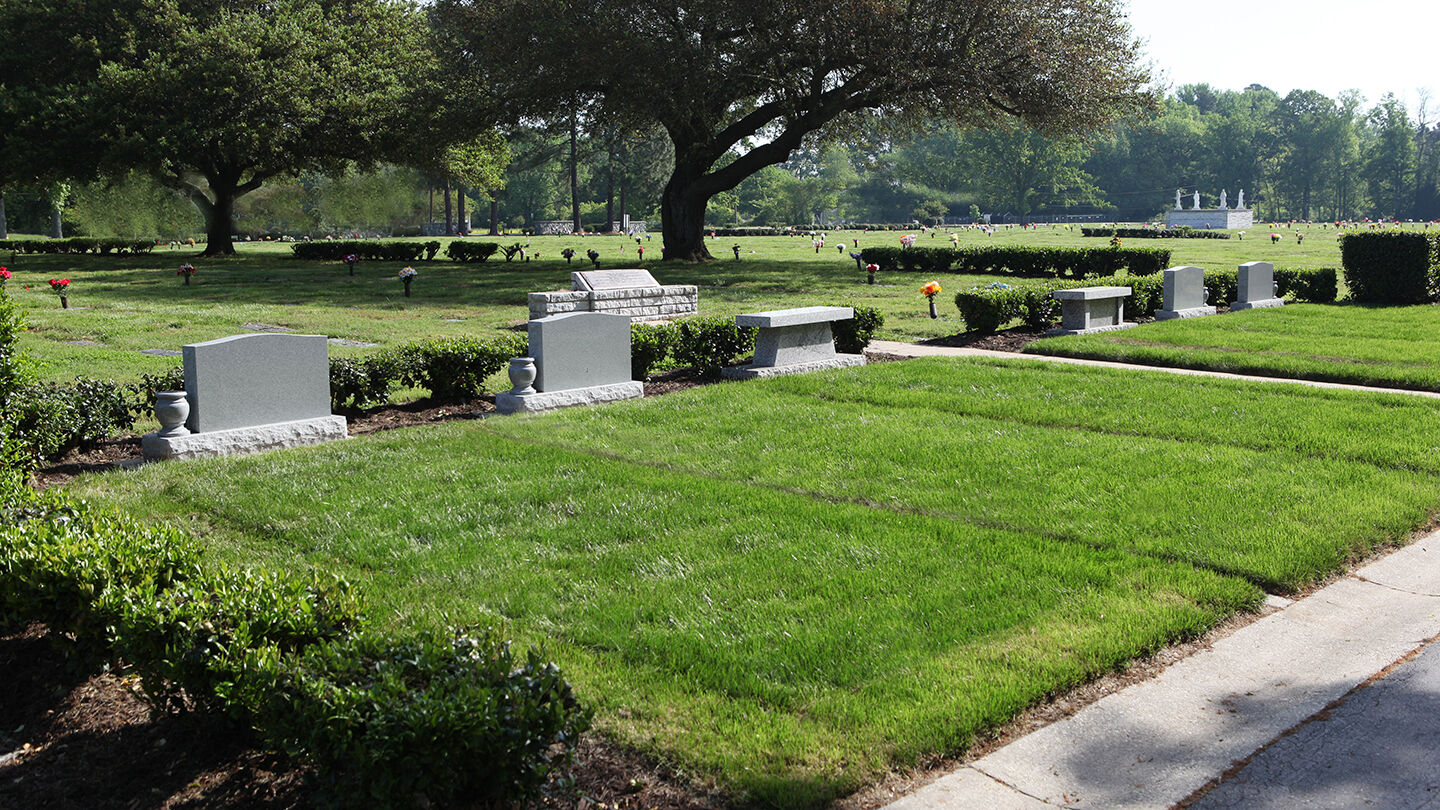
[794,341]
[1085,310]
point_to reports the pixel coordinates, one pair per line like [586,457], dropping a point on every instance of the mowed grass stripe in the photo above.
[1391,347]
[1279,517]
[794,646]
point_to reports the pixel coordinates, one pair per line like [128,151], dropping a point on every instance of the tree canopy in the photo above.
[213,97]
[737,85]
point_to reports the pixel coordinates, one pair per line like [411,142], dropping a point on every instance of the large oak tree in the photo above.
[213,97]
[738,84]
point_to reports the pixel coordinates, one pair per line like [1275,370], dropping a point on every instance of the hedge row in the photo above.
[81,244]
[368,249]
[1020,261]
[1389,267]
[416,721]
[755,230]
[709,343]
[1183,232]
[451,369]
[986,309]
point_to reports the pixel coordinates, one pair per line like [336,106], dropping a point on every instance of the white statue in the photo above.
[1177,199]
[1197,199]
[1223,198]
[1240,203]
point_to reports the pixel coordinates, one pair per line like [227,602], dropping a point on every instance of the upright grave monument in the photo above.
[1184,294]
[633,293]
[1256,289]
[580,358]
[247,393]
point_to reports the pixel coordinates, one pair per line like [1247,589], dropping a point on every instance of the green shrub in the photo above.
[192,637]
[431,248]
[1317,285]
[454,369]
[151,384]
[1183,232]
[852,335]
[368,249]
[650,345]
[357,382]
[420,721]
[462,251]
[46,420]
[986,309]
[1389,267]
[708,343]
[1020,261]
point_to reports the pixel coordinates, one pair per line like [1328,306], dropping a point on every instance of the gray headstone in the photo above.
[1257,282]
[1184,288]
[612,279]
[580,350]
[251,380]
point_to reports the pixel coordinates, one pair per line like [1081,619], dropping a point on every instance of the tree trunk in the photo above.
[574,171]
[683,222]
[218,226]
[462,222]
[4,226]
[56,231]
[494,216]
[430,212]
[449,212]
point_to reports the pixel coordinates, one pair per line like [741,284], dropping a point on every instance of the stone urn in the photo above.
[172,408]
[522,375]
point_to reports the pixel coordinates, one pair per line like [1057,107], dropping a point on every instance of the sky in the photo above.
[1324,45]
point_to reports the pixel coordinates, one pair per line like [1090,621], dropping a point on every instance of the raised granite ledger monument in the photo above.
[633,293]
[247,393]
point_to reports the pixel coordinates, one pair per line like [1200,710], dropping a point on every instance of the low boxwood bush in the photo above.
[454,369]
[46,420]
[852,335]
[357,382]
[650,345]
[1020,261]
[419,721]
[708,343]
[463,251]
[1183,232]
[368,249]
[1391,267]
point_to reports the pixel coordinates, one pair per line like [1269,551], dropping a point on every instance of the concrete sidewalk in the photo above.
[1330,701]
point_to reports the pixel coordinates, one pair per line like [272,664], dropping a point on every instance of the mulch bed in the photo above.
[1010,340]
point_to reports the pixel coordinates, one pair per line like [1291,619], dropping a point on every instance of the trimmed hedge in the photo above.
[1020,261]
[81,244]
[986,309]
[471,252]
[1390,267]
[368,249]
[650,345]
[709,343]
[756,230]
[415,721]
[1183,232]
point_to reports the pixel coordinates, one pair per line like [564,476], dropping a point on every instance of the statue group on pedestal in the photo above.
[1224,199]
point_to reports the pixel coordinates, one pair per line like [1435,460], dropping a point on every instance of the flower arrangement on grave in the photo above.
[870,270]
[186,271]
[930,290]
[407,275]
[61,287]
[641,250]
[568,253]
[350,260]
[908,240]
[736,248]
[594,256]
[1115,241]
[4,276]
[1274,238]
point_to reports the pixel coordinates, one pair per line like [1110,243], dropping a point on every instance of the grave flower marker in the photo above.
[61,287]
[186,271]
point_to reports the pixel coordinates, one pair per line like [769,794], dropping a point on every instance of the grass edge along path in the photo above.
[793,642]
[1382,347]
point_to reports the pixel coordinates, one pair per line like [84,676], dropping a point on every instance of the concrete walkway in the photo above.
[1329,701]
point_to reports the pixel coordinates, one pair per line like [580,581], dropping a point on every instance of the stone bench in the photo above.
[794,341]
[633,293]
[1085,310]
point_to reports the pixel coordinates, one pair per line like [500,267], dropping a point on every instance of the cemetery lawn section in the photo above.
[794,585]
[1387,347]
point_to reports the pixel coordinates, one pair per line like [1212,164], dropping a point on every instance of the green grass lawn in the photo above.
[795,584]
[123,305]
[1391,347]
